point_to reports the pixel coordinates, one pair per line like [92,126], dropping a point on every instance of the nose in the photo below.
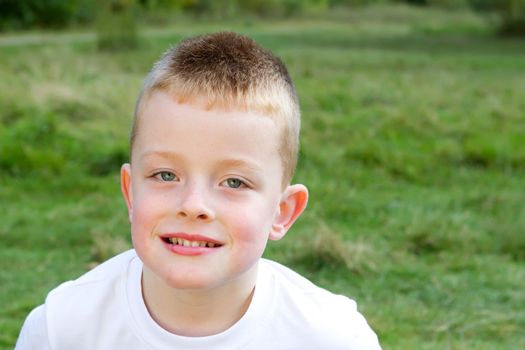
[195,204]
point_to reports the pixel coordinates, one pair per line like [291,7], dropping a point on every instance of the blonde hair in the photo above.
[229,71]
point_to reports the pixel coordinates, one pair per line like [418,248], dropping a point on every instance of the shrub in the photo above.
[511,14]
[29,145]
[16,14]
[258,8]
[116,27]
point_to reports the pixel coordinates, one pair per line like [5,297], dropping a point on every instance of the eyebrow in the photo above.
[226,163]
[160,154]
[240,163]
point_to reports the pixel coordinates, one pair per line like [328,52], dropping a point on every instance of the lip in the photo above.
[190,237]
[189,251]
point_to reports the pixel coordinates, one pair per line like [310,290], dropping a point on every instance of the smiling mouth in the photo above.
[189,243]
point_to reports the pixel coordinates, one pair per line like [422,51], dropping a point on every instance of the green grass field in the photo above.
[413,148]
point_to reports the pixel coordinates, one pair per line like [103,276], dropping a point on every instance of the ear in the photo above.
[293,202]
[125,187]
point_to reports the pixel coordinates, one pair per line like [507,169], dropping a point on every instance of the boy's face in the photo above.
[204,193]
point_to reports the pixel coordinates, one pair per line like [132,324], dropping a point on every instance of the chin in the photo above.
[187,281]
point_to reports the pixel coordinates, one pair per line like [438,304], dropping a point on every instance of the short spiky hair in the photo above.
[228,71]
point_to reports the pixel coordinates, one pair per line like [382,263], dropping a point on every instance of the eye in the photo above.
[234,183]
[165,176]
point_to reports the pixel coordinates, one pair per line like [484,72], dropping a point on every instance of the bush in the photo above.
[448,4]
[115,17]
[258,8]
[116,27]
[511,14]
[31,145]
[23,14]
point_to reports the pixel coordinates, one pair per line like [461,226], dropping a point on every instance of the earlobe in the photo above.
[125,187]
[292,205]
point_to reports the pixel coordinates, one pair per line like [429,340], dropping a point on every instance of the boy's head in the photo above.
[228,71]
[214,145]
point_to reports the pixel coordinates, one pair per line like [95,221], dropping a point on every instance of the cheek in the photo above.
[251,228]
[249,245]
[146,213]
[144,219]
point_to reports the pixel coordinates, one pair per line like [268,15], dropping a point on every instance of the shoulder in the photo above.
[302,291]
[107,271]
[66,304]
[79,309]
[33,334]
[330,318]
[95,282]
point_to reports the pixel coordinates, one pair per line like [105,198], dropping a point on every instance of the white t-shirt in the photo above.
[104,309]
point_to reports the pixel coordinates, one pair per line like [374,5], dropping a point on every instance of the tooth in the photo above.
[202,244]
[211,245]
[186,243]
[179,241]
[194,244]
[170,239]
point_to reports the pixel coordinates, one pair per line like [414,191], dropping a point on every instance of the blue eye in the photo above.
[166,176]
[234,183]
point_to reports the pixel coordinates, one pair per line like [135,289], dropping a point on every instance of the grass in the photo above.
[413,148]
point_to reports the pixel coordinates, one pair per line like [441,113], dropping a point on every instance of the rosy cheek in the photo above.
[250,231]
[248,246]
[144,214]
[242,226]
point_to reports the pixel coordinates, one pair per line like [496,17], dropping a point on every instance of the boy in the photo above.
[213,149]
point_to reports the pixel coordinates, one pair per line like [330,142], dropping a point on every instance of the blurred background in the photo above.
[413,148]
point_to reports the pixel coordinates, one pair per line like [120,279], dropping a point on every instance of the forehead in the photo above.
[168,126]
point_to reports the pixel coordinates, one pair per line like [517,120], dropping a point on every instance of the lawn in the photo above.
[413,148]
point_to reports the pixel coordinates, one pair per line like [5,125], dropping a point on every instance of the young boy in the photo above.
[214,145]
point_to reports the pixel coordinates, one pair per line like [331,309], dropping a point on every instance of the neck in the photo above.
[197,312]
